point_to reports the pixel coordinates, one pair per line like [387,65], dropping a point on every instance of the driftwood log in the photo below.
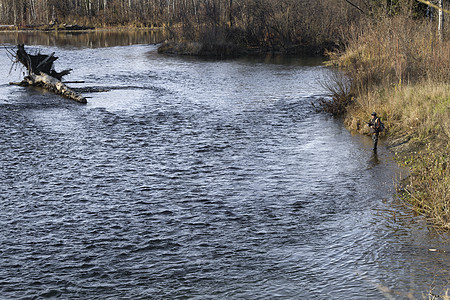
[41,73]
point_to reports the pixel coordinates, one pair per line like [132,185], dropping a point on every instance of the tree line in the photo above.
[284,24]
[161,11]
[98,12]
[158,12]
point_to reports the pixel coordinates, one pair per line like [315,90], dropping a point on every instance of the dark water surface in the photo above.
[198,179]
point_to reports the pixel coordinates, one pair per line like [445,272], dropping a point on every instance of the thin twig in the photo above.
[10,53]
[356,6]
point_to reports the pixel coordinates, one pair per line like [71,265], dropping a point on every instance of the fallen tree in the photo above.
[41,73]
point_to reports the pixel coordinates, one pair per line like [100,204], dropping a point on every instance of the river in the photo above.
[186,178]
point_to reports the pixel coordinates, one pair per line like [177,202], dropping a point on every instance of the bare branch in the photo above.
[356,6]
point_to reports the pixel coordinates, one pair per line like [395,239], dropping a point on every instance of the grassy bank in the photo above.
[418,132]
[404,77]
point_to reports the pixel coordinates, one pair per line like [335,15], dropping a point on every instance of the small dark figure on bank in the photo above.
[375,128]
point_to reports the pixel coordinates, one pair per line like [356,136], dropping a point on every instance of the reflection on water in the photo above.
[374,160]
[288,61]
[82,39]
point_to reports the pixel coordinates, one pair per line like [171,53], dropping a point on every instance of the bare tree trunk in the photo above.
[24,13]
[195,11]
[32,11]
[231,13]
[441,20]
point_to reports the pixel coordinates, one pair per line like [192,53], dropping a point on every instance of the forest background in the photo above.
[290,26]
[393,57]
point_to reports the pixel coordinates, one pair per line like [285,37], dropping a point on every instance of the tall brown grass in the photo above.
[399,68]
[394,50]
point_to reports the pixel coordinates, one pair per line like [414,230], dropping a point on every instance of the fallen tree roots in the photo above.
[41,73]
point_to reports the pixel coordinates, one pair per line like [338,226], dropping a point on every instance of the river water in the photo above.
[185,178]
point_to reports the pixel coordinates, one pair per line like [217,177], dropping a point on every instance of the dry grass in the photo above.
[396,50]
[423,109]
[400,69]
[418,128]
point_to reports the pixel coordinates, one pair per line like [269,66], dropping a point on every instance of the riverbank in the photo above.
[47,27]
[411,92]
[225,49]
[417,133]
[201,49]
